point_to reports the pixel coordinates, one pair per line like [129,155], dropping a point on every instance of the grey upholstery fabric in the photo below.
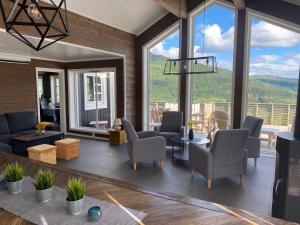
[225,158]
[253,124]
[5,148]
[171,126]
[4,128]
[20,121]
[171,121]
[144,146]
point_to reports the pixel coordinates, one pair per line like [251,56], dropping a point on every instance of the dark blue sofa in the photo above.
[13,125]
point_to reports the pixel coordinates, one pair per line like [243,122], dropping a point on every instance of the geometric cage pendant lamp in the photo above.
[47,21]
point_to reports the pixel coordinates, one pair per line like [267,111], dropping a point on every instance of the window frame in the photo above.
[100,104]
[191,31]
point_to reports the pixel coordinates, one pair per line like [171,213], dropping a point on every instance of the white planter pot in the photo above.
[75,207]
[14,187]
[44,195]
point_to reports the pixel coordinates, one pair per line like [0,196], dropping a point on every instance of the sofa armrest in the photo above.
[153,148]
[146,134]
[201,159]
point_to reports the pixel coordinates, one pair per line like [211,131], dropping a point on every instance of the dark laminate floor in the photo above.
[101,158]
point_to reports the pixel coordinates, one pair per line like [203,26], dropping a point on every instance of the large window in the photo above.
[211,94]
[273,77]
[162,89]
[92,99]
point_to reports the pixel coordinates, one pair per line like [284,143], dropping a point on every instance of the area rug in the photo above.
[54,212]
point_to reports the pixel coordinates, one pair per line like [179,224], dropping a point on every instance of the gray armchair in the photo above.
[171,126]
[144,146]
[226,157]
[253,124]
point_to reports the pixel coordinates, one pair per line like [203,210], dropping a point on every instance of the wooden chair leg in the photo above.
[161,163]
[255,162]
[134,166]
[209,181]
[242,179]
[193,172]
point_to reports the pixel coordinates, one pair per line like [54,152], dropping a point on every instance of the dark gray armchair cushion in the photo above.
[253,124]
[5,148]
[20,121]
[4,128]
[171,121]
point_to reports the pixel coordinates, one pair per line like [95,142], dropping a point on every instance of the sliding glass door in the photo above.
[92,99]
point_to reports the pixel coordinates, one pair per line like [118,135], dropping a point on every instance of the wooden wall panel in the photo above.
[18,85]
[89,33]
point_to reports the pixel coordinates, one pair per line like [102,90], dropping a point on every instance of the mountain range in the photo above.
[217,87]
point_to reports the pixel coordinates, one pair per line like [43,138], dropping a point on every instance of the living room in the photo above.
[163,112]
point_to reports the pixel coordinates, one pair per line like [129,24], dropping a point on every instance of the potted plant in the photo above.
[13,175]
[44,185]
[75,193]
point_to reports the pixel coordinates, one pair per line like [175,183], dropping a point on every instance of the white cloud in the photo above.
[264,34]
[286,68]
[266,58]
[159,49]
[216,40]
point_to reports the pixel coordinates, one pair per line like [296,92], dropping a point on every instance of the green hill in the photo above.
[217,87]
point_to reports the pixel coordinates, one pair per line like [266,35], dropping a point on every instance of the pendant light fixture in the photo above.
[195,65]
[46,22]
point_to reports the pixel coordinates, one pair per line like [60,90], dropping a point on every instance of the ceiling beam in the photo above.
[239,4]
[173,7]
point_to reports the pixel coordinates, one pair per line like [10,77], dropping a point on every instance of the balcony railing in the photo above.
[273,113]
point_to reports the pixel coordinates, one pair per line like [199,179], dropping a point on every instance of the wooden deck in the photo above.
[162,208]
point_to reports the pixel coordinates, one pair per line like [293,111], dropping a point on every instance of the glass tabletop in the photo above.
[199,139]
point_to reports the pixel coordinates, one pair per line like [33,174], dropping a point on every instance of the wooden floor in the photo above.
[161,208]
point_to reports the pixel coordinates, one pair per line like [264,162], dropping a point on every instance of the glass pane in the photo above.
[95,103]
[212,93]
[294,177]
[273,79]
[163,90]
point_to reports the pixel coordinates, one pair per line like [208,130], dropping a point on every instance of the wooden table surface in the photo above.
[33,137]
[162,208]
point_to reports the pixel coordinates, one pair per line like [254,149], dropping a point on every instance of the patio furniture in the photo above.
[67,148]
[227,156]
[183,143]
[221,119]
[171,126]
[43,153]
[144,146]
[253,124]
[271,134]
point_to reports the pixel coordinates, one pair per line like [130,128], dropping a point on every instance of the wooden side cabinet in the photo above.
[117,137]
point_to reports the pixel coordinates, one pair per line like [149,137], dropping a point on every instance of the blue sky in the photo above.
[274,50]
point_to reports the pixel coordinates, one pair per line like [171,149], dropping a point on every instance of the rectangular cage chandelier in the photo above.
[198,65]
[46,22]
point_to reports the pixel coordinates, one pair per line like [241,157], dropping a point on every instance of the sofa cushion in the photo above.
[5,148]
[7,138]
[4,128]
[20,121]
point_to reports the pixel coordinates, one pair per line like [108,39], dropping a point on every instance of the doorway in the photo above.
[50,97]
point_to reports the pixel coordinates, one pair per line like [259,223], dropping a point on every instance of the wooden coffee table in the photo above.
[21,143]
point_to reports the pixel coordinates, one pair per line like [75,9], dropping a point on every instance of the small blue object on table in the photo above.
[94,214]
[3,185]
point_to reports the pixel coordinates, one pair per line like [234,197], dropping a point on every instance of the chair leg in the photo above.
[193,172]
[209,181]
[161,163]
[134,166]
[255,162]
[242,179]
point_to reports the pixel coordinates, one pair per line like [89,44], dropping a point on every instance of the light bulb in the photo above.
[34,12]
